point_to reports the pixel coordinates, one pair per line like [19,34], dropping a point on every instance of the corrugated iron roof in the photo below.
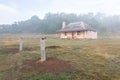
[77,26]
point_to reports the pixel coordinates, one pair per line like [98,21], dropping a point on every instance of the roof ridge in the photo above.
[77,26]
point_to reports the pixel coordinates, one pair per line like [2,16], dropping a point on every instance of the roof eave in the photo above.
[73,30]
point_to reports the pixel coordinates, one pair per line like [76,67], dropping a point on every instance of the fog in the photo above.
[38,16]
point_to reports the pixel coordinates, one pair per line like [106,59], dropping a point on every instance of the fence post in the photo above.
[43,55]
[21,44]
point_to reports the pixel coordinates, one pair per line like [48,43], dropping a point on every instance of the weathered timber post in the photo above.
[21,44]
[43,55]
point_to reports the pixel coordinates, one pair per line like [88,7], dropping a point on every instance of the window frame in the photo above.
[78,32]
[65,33]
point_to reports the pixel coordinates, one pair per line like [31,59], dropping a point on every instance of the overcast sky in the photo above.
[17,10]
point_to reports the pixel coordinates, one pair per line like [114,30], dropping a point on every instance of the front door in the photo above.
[72,35]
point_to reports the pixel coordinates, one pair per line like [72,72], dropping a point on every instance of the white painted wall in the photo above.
[83,35]
[91,35]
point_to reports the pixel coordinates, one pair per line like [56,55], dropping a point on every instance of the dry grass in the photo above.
[91,59]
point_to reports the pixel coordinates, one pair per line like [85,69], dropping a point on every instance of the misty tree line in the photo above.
[53,22]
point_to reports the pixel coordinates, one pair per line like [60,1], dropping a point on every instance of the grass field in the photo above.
[90,59]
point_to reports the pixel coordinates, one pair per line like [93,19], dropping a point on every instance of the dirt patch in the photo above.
[12,50]
[9,51]
[52,47]
[52,65]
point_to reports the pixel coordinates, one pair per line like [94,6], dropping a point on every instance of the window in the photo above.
[65,33]
[78,32]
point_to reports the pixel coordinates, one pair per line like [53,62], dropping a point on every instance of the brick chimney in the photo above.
[63,24]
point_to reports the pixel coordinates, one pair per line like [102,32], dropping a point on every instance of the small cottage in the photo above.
[77,30]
